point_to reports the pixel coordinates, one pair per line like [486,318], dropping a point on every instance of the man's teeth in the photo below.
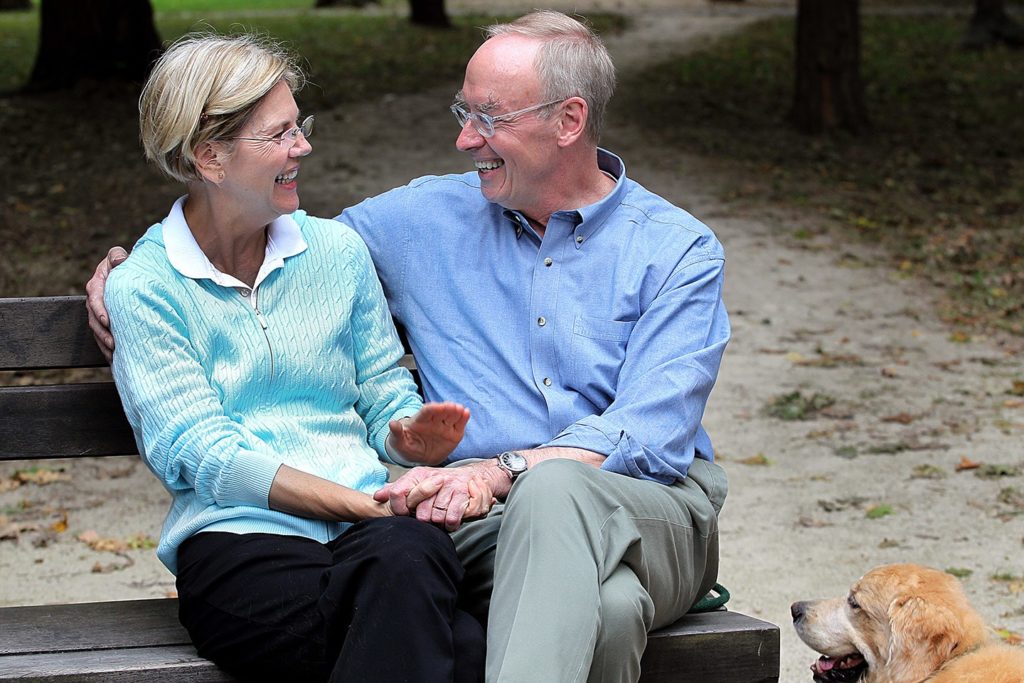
[489,165]
[286,177]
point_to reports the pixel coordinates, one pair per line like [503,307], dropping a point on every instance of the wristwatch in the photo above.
[512,463]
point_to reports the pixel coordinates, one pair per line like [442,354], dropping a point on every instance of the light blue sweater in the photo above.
[218,403]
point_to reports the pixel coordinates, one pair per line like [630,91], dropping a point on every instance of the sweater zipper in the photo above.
[263,325]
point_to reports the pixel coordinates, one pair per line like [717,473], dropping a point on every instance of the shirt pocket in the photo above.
[597,352]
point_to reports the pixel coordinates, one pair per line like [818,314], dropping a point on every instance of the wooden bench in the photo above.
[141,640]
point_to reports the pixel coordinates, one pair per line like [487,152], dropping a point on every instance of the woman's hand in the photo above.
[307,495]
[431,434]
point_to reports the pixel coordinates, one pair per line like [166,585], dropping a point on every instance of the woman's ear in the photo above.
[573,121]
[209,162]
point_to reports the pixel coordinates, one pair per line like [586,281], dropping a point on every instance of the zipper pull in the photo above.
[259,316]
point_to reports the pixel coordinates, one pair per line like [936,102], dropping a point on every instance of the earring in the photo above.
[220,176]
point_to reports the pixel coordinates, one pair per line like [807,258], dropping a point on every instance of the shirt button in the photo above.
[548,262]
[579,239]
[547,381]
[541,321]
[244,292]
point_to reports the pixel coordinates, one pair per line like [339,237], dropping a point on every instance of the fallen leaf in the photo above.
[889,543]
[9,484]
[994,471]
[928,472]
[1009,637]
[959,572]
[96,542]
[878,511]
[41,476]
[758,459]
[61,525]
[812,523]
[901,418]
[889,372]
[1008,403]
[966,464]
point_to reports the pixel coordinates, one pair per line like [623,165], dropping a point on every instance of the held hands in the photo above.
[99,322]
[431,434]
[445,497]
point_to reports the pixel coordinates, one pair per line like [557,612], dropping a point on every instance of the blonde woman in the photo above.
[256,362]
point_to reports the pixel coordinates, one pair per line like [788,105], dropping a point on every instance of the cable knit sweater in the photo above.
[222,386]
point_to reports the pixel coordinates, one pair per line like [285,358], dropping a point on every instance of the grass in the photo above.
[938,180]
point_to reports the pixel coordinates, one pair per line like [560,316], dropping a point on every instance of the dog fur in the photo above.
[903,623]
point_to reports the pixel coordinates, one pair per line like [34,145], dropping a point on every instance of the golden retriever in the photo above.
[903,623]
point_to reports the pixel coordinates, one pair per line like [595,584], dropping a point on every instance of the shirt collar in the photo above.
[284,239]
[590,218]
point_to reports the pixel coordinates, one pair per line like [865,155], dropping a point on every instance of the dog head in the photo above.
[898,624]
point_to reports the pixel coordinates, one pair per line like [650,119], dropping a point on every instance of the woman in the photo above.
[256,362]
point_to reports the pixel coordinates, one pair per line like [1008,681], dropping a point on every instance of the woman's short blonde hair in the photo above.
[203,88]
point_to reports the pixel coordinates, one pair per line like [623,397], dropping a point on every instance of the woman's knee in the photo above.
[394,544]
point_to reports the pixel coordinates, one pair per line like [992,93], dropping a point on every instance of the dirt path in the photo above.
[809,316]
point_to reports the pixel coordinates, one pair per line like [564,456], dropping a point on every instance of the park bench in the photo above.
[141,640]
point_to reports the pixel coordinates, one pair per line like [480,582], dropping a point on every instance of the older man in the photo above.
[580,318]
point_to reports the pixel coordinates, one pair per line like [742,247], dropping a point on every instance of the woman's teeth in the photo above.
[286,177]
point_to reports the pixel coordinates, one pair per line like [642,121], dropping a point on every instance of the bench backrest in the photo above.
[56,420]
[62,420]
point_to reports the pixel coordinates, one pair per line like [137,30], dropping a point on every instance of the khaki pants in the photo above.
[579,564]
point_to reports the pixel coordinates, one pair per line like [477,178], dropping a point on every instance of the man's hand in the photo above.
[445,497]
[429,436]
[99,322]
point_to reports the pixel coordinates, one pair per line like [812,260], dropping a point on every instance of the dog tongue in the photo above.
[824,663]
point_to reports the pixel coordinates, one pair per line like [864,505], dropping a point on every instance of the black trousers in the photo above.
[376,604]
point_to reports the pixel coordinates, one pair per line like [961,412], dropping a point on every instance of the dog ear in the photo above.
[922,636]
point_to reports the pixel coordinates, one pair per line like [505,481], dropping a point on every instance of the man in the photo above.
[580,318]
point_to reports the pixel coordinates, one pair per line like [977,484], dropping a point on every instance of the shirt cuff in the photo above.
[247,481]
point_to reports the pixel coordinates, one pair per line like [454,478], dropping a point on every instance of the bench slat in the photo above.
[90,626]
[46,332]
[721,646]
[62,421]
[174,663]
[111,639]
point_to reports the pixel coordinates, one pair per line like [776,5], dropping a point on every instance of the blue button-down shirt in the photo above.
[606,335]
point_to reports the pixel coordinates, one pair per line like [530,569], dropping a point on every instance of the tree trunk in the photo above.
[991,25]
[829,92]
[428,13]
[15,4]
[101,39]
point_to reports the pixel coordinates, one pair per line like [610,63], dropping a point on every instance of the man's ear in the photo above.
[209,162]
[573,121]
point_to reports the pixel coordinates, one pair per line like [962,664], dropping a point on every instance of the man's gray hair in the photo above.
[573,62]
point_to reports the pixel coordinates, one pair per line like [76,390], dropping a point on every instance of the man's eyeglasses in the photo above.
[484,123]
[288,137]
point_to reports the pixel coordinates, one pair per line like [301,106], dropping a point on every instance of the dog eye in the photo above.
[852,602]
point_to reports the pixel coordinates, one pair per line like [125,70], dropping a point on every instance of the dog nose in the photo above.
[797,609]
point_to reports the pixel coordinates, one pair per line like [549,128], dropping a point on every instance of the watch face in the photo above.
[513,462]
